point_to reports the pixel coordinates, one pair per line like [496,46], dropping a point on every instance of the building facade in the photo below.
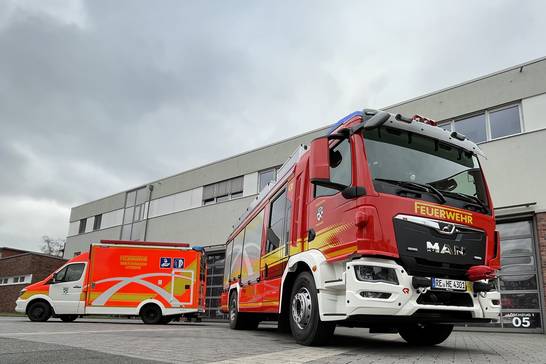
[18,269]
[504,112]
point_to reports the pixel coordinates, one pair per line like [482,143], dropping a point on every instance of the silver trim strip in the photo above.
[435,224]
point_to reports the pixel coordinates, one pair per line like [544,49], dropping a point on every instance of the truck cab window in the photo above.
[277,233]
[340,168]
[70,273]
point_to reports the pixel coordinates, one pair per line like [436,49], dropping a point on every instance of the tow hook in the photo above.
[422,284]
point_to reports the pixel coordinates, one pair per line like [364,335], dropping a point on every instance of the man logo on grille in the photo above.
[320,213]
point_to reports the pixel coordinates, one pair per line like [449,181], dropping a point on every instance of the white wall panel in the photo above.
[534,112]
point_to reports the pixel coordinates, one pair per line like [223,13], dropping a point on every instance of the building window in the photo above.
[4,281]
[136,210]
[488,125]
[505,122]
[473,128]
[83,222]
[97,221]
[223,191]
[265,177]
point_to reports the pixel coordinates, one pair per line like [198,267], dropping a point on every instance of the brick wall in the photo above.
[40,266]
[541,238]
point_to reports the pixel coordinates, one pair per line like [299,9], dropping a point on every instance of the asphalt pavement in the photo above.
[130,341]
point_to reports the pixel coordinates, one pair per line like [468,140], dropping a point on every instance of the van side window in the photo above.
[340,168]
[70,273]
[278,229]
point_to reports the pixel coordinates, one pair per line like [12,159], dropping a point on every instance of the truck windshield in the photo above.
[417,166]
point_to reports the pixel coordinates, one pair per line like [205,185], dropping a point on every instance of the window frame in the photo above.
[65,269]
[224,197]
[83,226]
[97,222]
[286,220]
[487,116]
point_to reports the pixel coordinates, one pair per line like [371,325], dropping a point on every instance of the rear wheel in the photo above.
[68,318]
[151,314]
[425,334]
[39,311]
[305,323]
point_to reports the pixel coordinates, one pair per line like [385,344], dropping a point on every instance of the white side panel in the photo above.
[250,184]
[534,111]
[196,197]
[73,228]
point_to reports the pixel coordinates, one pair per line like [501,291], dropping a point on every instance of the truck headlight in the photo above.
[369,273]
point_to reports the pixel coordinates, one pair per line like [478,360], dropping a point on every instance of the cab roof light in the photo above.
[422,119]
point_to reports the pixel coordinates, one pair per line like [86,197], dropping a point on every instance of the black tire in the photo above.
[284,322]
[425,334]
[305,323]
[151,314]
[68,318]
[240,320]
[39,311]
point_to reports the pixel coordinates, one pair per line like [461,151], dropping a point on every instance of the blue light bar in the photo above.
[346,118]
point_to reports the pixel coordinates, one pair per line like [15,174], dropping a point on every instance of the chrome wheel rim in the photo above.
[301,308]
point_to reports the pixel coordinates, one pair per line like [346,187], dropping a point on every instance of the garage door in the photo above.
[519,280]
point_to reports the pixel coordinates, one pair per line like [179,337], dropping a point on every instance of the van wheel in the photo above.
[240,320]
[68,318]
[425,334]
[39,311]
[305,323]
[151,314]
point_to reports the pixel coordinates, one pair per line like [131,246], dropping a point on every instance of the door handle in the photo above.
[77,287]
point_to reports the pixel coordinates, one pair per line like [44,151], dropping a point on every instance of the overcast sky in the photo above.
[100,96]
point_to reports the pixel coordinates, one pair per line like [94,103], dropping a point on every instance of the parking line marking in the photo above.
[299,355]
[81,332]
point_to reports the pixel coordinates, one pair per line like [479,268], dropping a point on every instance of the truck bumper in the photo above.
[401,299]
[21,305]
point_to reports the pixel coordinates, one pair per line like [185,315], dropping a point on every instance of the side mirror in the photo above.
[319,160]
[319,164]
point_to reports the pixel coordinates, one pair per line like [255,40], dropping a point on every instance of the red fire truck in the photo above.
[156,281]
[386,222]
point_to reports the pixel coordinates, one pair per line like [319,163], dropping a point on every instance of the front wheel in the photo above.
[425,334]
[240,320]
[39,311]
[68,318]
[305,323]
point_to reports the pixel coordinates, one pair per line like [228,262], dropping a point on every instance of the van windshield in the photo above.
[417,166]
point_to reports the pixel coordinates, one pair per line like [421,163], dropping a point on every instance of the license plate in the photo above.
[452,284]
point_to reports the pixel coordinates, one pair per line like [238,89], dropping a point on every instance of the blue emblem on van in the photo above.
[178,263]
[164,262]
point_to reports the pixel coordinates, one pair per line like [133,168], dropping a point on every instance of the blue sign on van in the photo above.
[164,262]
[178,263]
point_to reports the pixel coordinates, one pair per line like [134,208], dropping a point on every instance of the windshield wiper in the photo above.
[469,198]
[416,186]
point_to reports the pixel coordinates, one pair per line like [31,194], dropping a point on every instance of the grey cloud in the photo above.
[129,92]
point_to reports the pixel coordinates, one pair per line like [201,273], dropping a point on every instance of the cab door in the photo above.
[330,218]
[65,290]
[275,252]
